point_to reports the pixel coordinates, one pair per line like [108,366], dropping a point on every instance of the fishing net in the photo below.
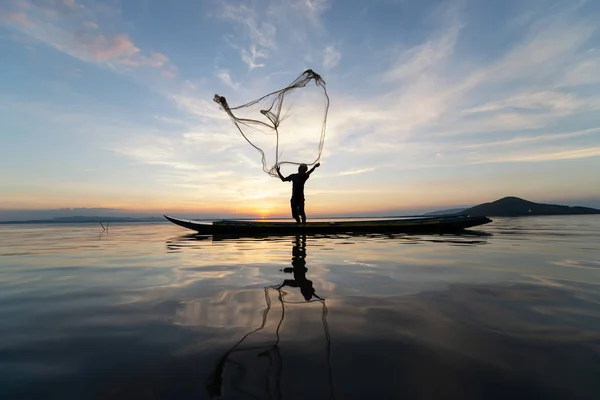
[286,126]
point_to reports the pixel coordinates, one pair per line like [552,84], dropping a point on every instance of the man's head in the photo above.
[302,168]
[307,290]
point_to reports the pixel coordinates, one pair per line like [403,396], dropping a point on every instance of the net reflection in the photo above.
[240,380]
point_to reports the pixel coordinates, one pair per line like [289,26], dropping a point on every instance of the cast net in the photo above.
[286,126]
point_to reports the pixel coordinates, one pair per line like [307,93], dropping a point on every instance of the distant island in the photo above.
[447,212]
[517,207]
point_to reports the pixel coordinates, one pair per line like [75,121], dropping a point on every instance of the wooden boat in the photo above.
[440,224]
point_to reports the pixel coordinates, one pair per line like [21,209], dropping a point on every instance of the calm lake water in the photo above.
[148,311]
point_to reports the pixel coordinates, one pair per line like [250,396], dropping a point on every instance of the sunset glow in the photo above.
[434,104]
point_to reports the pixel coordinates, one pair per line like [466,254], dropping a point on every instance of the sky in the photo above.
[433,104]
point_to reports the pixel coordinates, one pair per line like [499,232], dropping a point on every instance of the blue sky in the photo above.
[434,104]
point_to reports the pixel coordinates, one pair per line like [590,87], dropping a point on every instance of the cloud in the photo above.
[212,141]
[89,25]
[19,19]
[51,8]
[226,79]
[429,92]
[550,38]
[583,73]
[261,27]
[260,33]
[414,62]
[557,102]
[156,149]
[356,171]
[543,156]
[206,111]
[331,57]
[433,98]
[103,49]
[71,28]
[199,162]
[532,139]
[157,59]
[250,57]
[170,71]
[171,121]
[312,9]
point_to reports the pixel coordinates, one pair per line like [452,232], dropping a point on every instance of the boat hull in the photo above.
[415,225]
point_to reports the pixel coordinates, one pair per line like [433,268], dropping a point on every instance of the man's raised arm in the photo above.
[313,168]
[281,176]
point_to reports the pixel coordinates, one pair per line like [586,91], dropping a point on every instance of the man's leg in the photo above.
[301,210]
[294,206]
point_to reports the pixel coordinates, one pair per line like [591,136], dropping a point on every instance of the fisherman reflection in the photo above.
[298,269]
[239,384]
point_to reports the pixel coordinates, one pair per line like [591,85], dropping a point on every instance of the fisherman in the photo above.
[298,180]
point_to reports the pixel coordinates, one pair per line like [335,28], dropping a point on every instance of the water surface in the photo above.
[151,311]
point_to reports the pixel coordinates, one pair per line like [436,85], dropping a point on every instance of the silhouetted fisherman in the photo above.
[298,179]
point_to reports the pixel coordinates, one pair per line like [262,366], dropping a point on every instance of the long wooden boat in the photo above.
[422,225]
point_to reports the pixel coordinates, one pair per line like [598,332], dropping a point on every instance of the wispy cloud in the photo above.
[269,28]
[415,62]
[312,9]
[430,94]
[251,56]
[198,106]
[71,28]
[183,152]
[543,156]
[170,71]
[331,57]
[356,171]
[584,72]
[19,19]
[224,76]
[259,34]
[89,25]
[556,102]
[532,139]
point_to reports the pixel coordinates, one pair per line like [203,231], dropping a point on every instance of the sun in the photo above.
[263,212]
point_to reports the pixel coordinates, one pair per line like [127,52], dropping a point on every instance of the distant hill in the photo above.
[516,207]
[448,211]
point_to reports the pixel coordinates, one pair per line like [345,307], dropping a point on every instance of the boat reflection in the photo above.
[467,237]
[270,352]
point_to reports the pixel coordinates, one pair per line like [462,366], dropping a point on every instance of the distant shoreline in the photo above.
[49,221]
[159,220]
[509,206]
[108,220]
